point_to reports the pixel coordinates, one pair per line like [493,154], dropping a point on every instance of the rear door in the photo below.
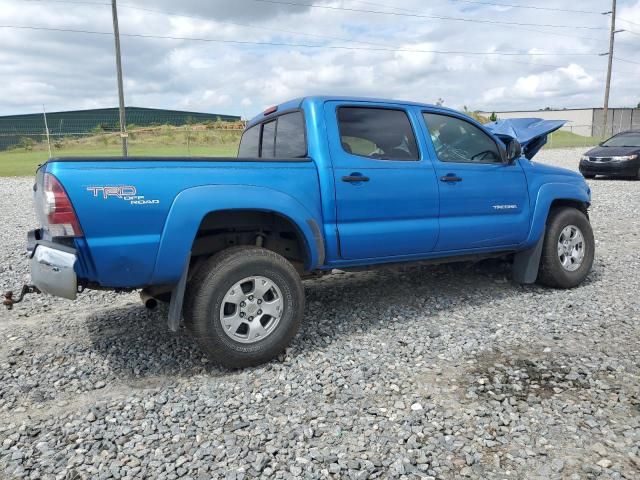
[386,189]
[483,201]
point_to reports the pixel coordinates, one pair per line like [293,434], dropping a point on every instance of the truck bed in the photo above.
[123,204]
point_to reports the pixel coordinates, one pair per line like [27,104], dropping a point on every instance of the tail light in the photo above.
[57,214]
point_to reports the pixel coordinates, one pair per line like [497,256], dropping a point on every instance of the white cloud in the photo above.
[69,71]
[569,81]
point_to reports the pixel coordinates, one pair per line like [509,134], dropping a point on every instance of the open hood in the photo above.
[530,132]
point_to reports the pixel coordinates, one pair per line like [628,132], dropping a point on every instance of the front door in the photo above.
[483,201]
[385,186]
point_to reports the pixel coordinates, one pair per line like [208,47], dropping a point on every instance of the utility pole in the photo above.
[607,88]
[123,120]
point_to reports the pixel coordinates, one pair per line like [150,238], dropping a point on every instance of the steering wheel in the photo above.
[482,155]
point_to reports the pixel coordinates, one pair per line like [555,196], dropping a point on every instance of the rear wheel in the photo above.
[244,305]
[568,249]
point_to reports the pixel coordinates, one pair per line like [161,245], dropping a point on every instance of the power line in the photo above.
[417,15]
[626,60]
[628,21]
[292,32]
[581,37]
[71,2]
[384,47]
[248,25]
[329,37]
[337,47]
[490,4]
[302,45]
[530,7]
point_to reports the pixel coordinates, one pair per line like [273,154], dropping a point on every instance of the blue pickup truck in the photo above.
[320,183]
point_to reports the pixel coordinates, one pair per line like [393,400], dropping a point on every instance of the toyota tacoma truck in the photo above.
[320,183]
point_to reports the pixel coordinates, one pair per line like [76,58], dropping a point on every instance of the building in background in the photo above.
[583,121]
[13,128]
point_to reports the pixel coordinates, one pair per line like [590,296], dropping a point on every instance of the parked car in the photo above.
[618,156]
[320,183]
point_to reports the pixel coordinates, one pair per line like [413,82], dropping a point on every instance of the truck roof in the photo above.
[297,103]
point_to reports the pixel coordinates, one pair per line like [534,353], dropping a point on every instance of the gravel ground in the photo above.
[413,372]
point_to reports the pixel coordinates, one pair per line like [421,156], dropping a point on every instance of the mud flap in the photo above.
[177,297]
[527,263]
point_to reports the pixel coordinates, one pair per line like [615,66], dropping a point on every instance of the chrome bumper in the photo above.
[52,271]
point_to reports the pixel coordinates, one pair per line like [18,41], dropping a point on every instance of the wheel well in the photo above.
[577,204]
[227,228]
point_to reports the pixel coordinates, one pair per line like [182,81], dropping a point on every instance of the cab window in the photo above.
[458,141]
[378,133]
[282,137]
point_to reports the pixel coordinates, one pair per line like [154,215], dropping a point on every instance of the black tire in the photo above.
[589,176]
[206,292]
[638,174]
[552,273]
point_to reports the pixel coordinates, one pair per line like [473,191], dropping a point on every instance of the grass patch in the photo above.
[565,139]
[164,141]
[15,163]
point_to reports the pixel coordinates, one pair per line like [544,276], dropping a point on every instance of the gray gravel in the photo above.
[413,372]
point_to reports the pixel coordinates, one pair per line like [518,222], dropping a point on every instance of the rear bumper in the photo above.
[52,269]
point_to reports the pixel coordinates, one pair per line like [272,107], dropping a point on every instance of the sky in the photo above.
[355,53]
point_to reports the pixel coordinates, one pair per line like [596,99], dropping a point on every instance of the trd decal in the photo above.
[128,193]
[120,192]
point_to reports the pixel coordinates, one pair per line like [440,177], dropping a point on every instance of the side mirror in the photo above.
[514,150]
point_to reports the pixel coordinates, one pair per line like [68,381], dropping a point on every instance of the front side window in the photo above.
[459,141]
[378,133]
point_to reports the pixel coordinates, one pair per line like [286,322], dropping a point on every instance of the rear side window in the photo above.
[379,133]
[250,143]
[290,136]
[283,137]
[268,140]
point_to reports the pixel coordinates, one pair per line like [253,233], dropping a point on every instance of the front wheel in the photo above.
[568,249]
[244,305]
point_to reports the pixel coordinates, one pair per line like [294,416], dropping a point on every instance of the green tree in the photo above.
[493,117]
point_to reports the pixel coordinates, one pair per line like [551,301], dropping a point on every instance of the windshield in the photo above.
[629,139]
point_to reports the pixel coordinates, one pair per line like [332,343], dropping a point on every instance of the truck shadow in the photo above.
[136,343]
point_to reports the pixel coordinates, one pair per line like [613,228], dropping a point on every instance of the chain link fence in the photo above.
[572,136]
[192,139]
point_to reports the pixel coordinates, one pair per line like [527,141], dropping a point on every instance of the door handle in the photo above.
[355,178]
[450,177]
